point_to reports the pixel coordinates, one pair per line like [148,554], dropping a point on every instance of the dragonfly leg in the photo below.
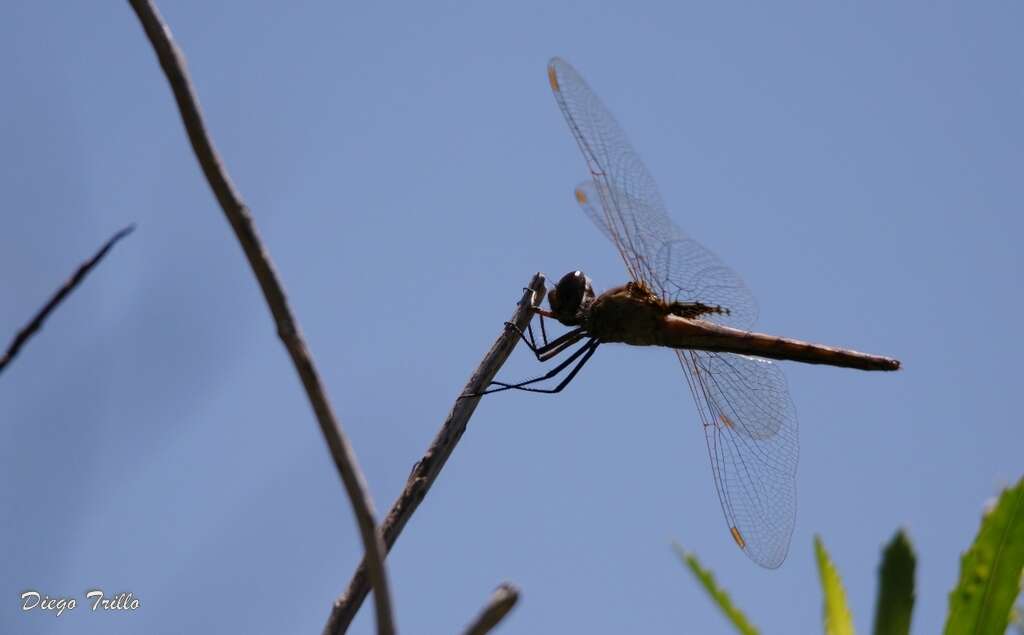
[529,329]
[552,348]
[533,340]
[560,343]
[536,308]
[532,343]
[583,354]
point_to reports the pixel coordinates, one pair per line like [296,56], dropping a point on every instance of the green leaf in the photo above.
[721,598]
[895,587]
[990,570]
[838,620]
[1017,619]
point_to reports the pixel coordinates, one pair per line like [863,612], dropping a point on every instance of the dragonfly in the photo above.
[682,296]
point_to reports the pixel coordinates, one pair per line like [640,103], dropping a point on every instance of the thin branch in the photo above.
[504,598]
[173,63]
[426,470]
[37,322]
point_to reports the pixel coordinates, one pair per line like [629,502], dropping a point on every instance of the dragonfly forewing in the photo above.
[674,265]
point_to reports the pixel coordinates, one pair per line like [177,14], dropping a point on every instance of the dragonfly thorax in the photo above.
[571,297]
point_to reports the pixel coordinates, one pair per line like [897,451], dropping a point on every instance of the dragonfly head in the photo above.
[570,297]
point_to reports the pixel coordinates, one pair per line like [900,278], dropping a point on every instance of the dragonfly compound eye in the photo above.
[571,294]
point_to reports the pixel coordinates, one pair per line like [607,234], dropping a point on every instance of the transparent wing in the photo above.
[750,426]
[624,202]
[749,420]
[679,268]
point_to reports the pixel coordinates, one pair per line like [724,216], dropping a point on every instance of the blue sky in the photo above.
[409,171]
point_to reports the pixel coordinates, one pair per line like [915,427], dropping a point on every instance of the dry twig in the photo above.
[426,470]
[173,63]
[504,598]
[37,322]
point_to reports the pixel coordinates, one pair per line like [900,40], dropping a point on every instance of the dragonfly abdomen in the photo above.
[677,332]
